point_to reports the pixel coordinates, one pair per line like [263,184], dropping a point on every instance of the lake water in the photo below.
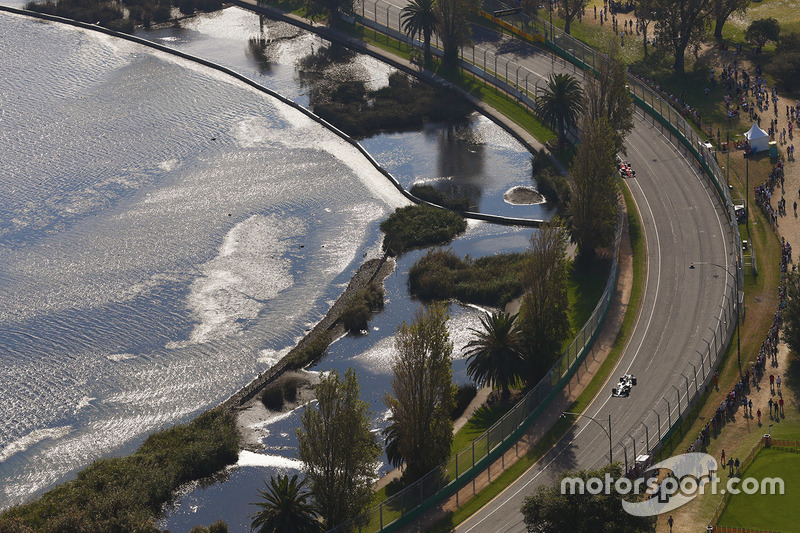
[165,232]
[162,231]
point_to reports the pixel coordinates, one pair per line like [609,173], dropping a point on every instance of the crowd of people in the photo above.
[765,191]
[677,103]
[737,396]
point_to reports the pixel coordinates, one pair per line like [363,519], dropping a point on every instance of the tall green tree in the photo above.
[785,65]
[560,103]
[681,23]
[419,18]
[548,510]
[608,97]
[453,28]
[761,31]
[593,186]
[422,395]
[569,9]
[723,9]
[285,508]
[544,313]
[495,353]
[338,449]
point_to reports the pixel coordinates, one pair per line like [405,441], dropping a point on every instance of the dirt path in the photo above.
[740,434]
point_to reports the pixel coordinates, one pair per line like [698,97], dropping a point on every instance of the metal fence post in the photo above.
[669,415]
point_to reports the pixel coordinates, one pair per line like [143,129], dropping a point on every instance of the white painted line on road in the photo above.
[566,445]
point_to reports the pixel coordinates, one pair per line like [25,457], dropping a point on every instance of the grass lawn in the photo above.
[585,286]
[773,512]
[563,424]
[479,422]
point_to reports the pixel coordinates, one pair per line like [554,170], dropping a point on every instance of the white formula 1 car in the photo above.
[623,388]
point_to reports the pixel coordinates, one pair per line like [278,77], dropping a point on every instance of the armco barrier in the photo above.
[442,482]
[651,102]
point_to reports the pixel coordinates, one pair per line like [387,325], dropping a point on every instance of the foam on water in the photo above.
[248,458]
[249,270]
[34,437]
[270,356]
[163,228]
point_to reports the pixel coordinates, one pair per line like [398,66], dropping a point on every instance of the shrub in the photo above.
[162,13]
[420,226]
[310,353]
[356,313]
[404,104]
[493,280]
[431,194]
[208,5]
[218,527]
[289,387]
[186,7]
[465,393]
[553,186]
[272,397]
[785,66]
[128,493]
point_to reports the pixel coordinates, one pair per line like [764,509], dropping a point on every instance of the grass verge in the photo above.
[562,426]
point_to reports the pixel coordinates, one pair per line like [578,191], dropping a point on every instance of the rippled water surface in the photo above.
[475,159]
[162,231]
[166,232]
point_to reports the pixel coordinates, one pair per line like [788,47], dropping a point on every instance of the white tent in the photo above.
[758,138]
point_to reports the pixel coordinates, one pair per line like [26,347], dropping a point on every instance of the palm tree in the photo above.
[285,508]
[560,103]
[495,354]
[419,18]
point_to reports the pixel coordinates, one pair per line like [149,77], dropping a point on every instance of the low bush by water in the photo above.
[310,353]
[359,308]
[405,104]
[418,226]
[128,493]
[431,194]
[492,280]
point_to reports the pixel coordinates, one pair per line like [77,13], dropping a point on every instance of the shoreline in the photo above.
[372,270]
